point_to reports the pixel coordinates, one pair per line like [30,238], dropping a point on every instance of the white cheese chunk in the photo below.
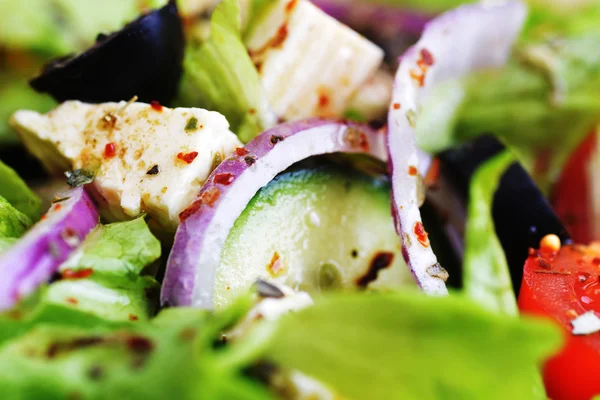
[309,63]
[586,324]
[144,158]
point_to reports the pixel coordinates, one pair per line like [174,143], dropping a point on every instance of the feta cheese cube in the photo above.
[309,63]
[145,158]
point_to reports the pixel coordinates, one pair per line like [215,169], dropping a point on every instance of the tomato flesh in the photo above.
[572,194]
[564,285]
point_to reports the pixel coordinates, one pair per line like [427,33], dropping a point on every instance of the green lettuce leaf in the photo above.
[171,356]
[133,300]
[13,223]
[220,76]
[105,274]
[121,249]
[541,105]
[33,311]
[16,192]
[410,346]
[485,270]
[15,94]
[60,27]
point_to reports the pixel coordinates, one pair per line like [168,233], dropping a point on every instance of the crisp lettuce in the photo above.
[171,356]
[59,27]
[116,251]
[105,274]
[542,104]
[376,346]
[410,346]
[16,192]
[219,75]
[13,223]
[485,270]
[16,94]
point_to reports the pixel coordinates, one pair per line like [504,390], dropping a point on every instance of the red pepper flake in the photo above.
[156,106]
[188,212]
[210,196]
[412,170]
[57,207]
[355,138]
[274,42]
[78,274]
[433,174]
[417,77]
[240,151]
[421,234]
[71,300]
[427,57]
[133,317]
[323,100]
[223,179]
[282,33]
[252,111]
[275,266]
[289,7]
[396,106]
[187,157]
[110,150]
[43,217]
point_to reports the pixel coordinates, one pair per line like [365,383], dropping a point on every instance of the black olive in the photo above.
[143,59]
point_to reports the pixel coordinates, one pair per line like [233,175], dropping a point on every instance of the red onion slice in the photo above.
[196,253]
[467,38]
[34,258]
[378,17]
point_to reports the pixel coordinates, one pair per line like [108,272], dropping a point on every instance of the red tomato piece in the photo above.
[572,195]
[563,285]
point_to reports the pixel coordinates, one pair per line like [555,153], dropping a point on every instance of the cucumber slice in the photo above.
[314,229]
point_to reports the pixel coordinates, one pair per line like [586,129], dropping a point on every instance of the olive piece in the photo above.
[143,59]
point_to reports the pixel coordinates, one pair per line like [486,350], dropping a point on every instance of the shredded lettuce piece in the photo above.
[68,352]
[16,192]
[219,75]
[410,346]
[13,223]
[104,275]
[485,270]
[380,346]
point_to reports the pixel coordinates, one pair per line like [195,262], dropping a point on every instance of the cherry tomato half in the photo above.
[563,285]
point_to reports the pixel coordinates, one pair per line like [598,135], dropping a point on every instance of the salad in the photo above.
[286,199]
